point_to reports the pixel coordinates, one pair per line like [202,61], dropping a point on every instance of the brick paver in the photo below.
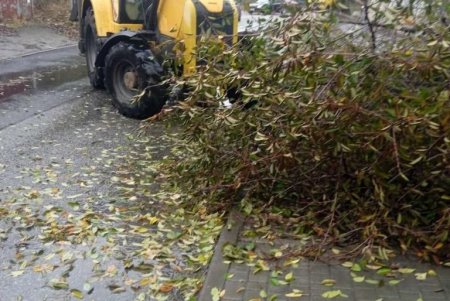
[240,283]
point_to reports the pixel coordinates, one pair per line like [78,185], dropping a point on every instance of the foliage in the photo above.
[351,128]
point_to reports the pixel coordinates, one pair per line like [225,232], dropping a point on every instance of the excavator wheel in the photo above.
[92,49]
[134,79]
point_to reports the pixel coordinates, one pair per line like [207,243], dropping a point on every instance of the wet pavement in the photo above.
[80,214]
[54,132]
[34,84]
[30,38]
[272,271]
[56,181]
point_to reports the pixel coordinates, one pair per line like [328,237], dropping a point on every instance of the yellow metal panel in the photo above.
[176,19]
[170,16]
[213,6]
[104,19]
[119,27]
[235,22]
[189,30]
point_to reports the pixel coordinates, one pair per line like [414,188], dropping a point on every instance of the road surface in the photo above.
[65,167]
[76,211]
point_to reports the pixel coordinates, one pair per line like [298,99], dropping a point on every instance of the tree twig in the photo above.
[369,24]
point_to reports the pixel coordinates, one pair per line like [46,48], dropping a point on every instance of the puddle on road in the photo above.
[39,80]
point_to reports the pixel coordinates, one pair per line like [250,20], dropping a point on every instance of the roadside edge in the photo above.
[37,52]
[217,269]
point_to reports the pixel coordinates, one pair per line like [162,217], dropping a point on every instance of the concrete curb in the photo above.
[36,53]
[217,269]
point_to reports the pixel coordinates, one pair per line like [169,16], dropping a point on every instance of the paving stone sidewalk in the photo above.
[240,283]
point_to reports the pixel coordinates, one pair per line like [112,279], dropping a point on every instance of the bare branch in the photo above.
[369,24]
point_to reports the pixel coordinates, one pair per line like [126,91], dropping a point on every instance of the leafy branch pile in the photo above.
[354,136]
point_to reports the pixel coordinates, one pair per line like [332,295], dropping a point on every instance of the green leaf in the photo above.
[216,294]
[328,282]
[359,279]
[263,294]
[74,205]
[432,273]
[289,277]
[76,294]
[383,271]
[87,287]
[250,246]
[373,281]
[262,264]
[356,268]
[421,276]
[173,235]
[347,264]
[59,284]
[295,294]
[335,251]
[406,270]
[334,294]
[17,273]
[394,282]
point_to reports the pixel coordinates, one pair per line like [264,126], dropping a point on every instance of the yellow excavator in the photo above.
[128,42]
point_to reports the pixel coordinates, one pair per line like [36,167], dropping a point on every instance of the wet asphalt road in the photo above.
[61,144]
[34,84]
[66,160]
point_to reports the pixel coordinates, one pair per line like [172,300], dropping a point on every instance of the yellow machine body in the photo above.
[104,17]
[177,20]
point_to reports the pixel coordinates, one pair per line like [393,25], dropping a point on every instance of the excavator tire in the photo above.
[92,49]
[135,80]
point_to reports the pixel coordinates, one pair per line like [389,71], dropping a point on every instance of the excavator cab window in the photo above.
[134,10]
[130,11]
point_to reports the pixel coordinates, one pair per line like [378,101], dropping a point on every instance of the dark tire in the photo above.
[92,49]
[131,71]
